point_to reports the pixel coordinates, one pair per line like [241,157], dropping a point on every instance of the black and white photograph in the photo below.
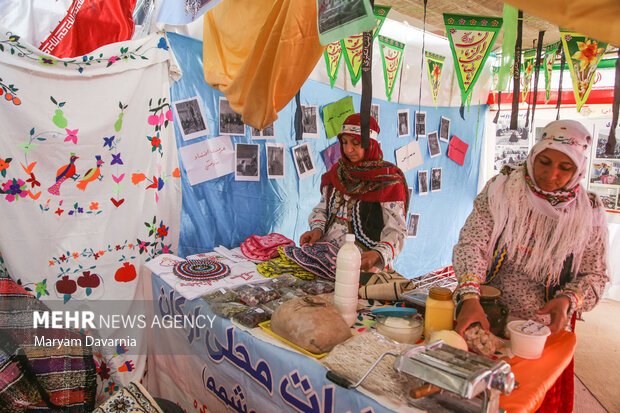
[231,123]
[267,133]
[412,226]
[275,160]
[410,191]
[435,179]
[506,136]
[423,182]
[433,145]
[374,111]
[310,121]
[247,162]
[303,160]
[444,129]
[509,154]
[403,122]
[191,118]
[420,123]
[332,14]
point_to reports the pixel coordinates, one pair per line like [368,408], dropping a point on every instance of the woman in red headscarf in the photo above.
[363,195]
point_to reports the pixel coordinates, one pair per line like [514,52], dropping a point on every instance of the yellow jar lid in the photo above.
[440,293]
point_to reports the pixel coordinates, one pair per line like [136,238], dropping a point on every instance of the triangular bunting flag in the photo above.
[391,54]
[353,47]
[471,38]
[551,51]
[434,64]
[529,56]
[333,53]
[582,55]
[380,15]
[495,82]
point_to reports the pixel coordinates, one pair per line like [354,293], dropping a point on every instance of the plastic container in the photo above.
[347,275]
[439,311]
[406,329]
[528,344]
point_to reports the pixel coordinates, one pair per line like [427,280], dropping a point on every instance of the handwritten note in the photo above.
[208,159]
[335,114]
[457,149]
[409,156]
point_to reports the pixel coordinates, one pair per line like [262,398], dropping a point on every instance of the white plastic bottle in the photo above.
[347,279]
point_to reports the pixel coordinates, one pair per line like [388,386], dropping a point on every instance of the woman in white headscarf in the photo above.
[537,235]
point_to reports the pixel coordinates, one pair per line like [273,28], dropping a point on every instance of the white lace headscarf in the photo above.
[541,229]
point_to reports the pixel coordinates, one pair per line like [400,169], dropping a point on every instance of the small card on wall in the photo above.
[409,156]
[457,149]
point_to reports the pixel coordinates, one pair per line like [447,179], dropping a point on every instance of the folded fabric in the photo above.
[282,265]
[319,259]
[386,285]
[263,248]
[132,398]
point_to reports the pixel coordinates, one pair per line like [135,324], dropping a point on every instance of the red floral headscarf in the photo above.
[371,179]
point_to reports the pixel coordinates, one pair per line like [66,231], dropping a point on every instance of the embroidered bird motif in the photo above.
[63,173]
[91,175]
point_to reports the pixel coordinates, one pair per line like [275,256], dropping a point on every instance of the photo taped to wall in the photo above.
[247,162]
[275,160]
[191,118]
[231,123]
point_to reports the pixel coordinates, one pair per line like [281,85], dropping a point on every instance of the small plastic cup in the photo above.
[524,345]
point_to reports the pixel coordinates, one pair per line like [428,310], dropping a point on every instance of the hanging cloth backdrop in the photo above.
[434,66]
[551,51]
[582,54]
[471,39]
[90,187]
[391,55]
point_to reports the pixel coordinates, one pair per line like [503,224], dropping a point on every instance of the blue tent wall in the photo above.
[224,211]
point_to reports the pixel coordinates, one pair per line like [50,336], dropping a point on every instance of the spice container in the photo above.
[439,312]
[495,310]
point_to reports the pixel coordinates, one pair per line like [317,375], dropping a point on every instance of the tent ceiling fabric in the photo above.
[537,16]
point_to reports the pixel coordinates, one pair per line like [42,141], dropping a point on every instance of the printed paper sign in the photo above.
[208,159]
[409,156]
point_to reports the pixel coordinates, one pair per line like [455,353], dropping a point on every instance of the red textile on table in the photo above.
[90,24]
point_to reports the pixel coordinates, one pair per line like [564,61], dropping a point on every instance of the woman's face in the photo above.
[553,169]
[352,148]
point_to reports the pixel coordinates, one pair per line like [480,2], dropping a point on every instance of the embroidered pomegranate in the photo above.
[65,285]
[126,273]
[88,280]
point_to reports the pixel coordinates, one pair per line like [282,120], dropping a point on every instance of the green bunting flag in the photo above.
[551,50]
[583,55]
[380,15]
[434,66]
[471,38]
[353,47]
[333,53]
[529,56]
[391,54]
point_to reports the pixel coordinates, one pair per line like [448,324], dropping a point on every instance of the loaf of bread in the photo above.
[311,323]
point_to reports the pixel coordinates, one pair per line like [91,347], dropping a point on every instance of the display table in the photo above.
[223,367]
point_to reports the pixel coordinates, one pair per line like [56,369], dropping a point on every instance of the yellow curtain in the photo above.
[259,53]
[599,19]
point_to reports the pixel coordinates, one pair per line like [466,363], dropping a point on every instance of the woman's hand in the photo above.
[369,259]
[310,237]
[558,310]
[471,312]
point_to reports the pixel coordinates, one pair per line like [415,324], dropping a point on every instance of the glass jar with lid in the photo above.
[495,310]
[439,312]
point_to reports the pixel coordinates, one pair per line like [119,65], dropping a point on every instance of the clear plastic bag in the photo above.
[317,286]
[254,295]
[228,309]
[252,317]
[221,295]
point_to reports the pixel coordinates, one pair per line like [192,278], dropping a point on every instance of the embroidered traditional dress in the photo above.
[535,245]
[346,214]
